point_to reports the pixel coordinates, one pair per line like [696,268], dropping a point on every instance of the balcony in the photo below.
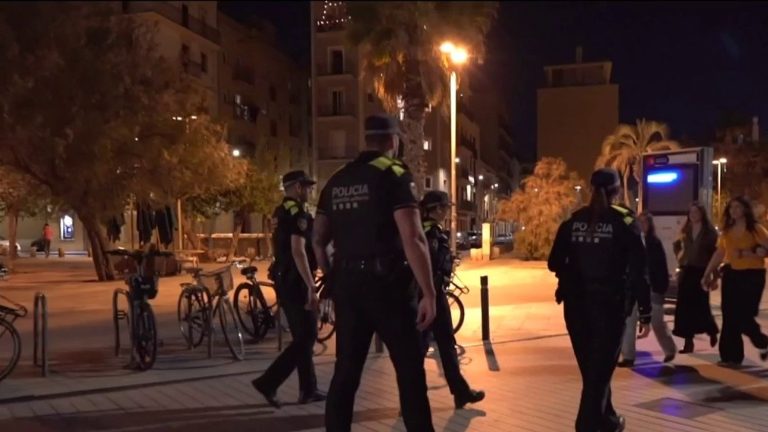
[192,68]
[324,72]
[245,75]
[467,206]
[335,111]
[174,14]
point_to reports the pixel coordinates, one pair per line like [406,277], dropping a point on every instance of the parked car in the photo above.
[503,239]
[5,246]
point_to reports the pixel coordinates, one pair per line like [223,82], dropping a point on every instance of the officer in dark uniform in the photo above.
[369,211]
[599,259]
[293,273]
[434,209]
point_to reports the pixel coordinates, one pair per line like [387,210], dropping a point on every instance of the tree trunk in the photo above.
[191,234]
[238,228]
[626,188]
[98,242]
[414,105]
[13,225]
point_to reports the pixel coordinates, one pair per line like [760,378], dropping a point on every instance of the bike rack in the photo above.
[40,355]
[119,315]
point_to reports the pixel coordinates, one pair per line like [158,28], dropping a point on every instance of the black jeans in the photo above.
[742,292]
[595,323]
[442,331]
[367,302]
[298,354]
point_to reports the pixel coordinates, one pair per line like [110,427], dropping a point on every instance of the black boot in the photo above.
[472,396]
[688,347]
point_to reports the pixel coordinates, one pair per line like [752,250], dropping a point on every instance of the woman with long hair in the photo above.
[743,247]
[694,249]
[658,275]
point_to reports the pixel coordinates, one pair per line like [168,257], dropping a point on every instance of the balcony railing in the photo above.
[467,206]
[335,111]
[174,14]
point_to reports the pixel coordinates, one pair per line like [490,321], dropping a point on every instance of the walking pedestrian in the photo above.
[743,247]
[434,209]
[658,274]
[694,249]
[368,209]
[597,254]
[47,239]
[293,272]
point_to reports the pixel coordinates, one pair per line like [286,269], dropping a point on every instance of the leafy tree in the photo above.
[90,110]
[623,150]
[19,196]
[544,200]
[400,55]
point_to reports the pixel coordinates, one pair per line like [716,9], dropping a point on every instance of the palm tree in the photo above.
[623,149]
[399,43]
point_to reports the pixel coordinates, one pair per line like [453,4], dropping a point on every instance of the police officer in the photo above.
[369,211]
[599,259]
[434,209]
[293,273]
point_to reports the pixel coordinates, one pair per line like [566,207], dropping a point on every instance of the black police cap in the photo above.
[435,198]
[379,124]
[300,176]
[605,178]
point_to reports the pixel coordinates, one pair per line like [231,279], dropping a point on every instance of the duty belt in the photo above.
[379,266]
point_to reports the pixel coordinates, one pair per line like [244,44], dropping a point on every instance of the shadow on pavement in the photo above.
[490,356]
[460,420]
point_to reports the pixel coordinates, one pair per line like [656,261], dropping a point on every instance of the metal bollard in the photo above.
[485,308]
[40,354]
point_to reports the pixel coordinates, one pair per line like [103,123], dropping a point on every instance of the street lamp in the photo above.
[720,168]
[236,152]
[457,56]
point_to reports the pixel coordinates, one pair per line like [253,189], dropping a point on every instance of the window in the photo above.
[224,58]
[337,102]
[427,144]
[185,15]
[272,93]
[337,143]
[273,128]
[203,62]
[428,182]
[337,61]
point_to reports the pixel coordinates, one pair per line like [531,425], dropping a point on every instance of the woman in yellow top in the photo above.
[743,247]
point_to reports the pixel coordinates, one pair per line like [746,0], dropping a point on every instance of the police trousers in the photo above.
[595,322]
[442,331]
[367,303]
[298,355]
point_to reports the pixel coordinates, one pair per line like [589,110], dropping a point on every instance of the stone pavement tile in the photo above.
[20,410]
[42,408]
[5,413]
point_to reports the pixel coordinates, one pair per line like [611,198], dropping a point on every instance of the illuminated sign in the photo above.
[663,177]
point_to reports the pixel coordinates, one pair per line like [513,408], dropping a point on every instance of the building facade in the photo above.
[577,109]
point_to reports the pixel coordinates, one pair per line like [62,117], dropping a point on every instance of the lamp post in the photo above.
[457,56]
[720,167]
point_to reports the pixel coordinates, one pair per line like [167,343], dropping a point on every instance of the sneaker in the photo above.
[669,358]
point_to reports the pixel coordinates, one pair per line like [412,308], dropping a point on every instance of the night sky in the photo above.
[688,64]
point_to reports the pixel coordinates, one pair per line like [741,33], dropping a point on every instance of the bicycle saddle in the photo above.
[245,271]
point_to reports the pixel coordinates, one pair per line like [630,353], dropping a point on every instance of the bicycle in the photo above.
[140,316]
[254,312]
[326,317]
[199,305]
[453,291]
[9,357]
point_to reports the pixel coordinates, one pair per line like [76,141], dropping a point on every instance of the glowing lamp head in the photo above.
[447,47]
[459,56]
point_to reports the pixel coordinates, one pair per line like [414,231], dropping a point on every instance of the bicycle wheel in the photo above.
[145,338]
[10,348]
[326,320]
[231,330]
[457,311]
[192,314]
[246,309]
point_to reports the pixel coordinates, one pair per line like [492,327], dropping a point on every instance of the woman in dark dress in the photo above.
[697,243]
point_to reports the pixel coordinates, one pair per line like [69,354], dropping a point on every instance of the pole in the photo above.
[132,216]
[484,308]
[180,224]
[719,196]
[454,188]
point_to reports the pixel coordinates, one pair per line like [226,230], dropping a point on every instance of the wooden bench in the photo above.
[188,258]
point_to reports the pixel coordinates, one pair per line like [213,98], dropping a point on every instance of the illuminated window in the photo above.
[427,145]
[67,227]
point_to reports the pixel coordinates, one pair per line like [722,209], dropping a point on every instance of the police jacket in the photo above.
[439,252]
[291,218]
[359,201]
[603,254]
